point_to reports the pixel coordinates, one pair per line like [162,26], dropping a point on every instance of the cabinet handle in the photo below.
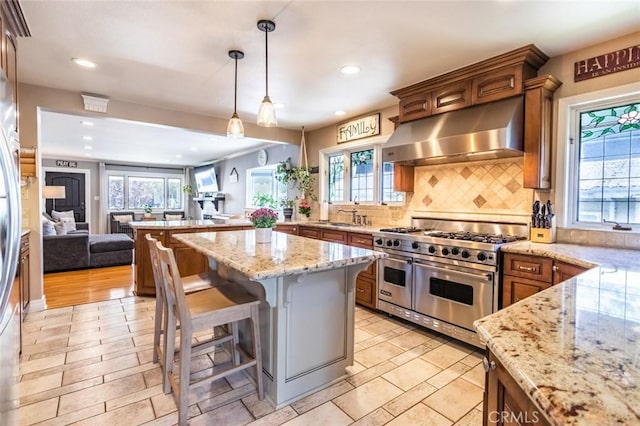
[359,290]
[517,299]
[488,365]
[554,268]
[526,268]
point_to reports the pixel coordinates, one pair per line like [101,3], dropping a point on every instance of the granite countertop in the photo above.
[575,347]
[285,255]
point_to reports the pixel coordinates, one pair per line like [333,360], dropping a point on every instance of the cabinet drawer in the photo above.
[360,240]
[515,289]
[370,272]
[304,231]
[287,229]
[499,84]
[365,291]
[532,267]
[415,106]
[335,236]
[24,244]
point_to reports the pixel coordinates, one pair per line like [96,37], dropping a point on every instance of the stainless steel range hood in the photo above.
[492,130]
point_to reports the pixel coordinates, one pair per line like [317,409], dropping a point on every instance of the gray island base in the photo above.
[308,302]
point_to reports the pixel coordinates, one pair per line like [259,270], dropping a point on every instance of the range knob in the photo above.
[389,243]
[464,254]
[431,249]
[396,243]
[445,251]
[379,242]
[415,245]
[455,251]
[482,257]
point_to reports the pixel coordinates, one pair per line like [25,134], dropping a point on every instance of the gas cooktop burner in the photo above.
[401,230]
[476,237]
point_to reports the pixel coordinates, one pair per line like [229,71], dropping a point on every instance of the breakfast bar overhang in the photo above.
[308,302]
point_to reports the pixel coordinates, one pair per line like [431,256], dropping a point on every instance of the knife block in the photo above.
[544,235]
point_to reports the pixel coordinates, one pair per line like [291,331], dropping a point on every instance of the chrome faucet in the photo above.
[353,214]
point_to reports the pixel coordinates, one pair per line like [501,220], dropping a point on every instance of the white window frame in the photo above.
[569,109]
[249,197]
[374,143]
[128,174]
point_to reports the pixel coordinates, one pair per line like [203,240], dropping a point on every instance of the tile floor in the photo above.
[91,364]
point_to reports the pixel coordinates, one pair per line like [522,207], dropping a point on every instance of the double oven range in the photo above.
[443,274]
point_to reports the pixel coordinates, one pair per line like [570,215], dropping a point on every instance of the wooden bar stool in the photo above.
[226,303]
[191,283]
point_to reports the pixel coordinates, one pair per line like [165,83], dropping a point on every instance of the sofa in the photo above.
[81,250]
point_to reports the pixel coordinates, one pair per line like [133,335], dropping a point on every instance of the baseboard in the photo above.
[38,305]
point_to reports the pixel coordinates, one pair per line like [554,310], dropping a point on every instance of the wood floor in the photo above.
[71,288]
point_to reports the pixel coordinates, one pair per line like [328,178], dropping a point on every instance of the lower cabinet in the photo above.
[505,403]
[25,292]
[287,229]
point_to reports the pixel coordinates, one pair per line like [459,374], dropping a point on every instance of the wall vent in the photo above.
[95,103]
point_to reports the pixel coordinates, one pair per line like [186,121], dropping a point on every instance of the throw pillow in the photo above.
[60,215]
[46,216]
[48,227]
[173,217]
[60,228]
[123,218]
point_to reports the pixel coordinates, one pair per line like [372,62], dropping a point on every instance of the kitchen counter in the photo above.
[307,292]
[574,348]
[187,224]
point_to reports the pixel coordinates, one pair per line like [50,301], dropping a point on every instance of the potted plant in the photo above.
[304,208]
[263,219]
[147,207]
[287,208]
[296,177]
[264,200]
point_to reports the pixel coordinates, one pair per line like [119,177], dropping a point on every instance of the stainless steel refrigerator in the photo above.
[10,230]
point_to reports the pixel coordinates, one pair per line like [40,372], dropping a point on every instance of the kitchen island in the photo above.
[569,354]
[308,301]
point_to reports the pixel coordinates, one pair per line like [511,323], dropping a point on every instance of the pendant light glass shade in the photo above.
[267,112]
[235,129]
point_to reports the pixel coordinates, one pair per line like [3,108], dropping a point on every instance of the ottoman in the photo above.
[110,250]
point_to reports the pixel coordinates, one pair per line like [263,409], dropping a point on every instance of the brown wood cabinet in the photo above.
[538,106]
[287,229]
[403,177]
[524,275]
[189,261]
[505,403]
[309,232]
[415,106]
[454,96]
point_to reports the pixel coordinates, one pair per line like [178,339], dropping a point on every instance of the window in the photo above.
[132,192]
[354,176]
[262,184]
[608,164]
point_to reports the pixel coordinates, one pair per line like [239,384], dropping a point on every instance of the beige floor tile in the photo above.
[131,398]
[380,327]
[361,335]
[58,391]
[120,332]
[472,359]
[133,370]
[223,398]
[455,399]
[376,418]
[231,414]
[410,398]
[377,354]
[420,415]
[75,416]
[326,414]
[276,418]
[384,337]
[40,384]
[133,414]
[445,356]
[258,408]
[41,364]
[448,375]
[472,418]
[153,376]
[410,339]
[366,398]
[410,354]
[371,373]
[410,374]
[118,388]
[476,375]
[99,369]
[318,398]
[355,368]
[34,413]
[163,404]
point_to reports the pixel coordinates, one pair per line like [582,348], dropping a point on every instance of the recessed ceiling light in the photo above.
[87,138]
[83,62]
[193,148]
[279,105]
[350,69]
[88,147]
[88,155]
[178,155]
[340,113]
[87,123]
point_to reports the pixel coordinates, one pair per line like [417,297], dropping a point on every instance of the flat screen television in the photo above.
[206,180]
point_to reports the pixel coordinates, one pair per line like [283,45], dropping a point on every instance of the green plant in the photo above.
[304,208]
[188,189]
[264,200]
[147,207]
[263,218]
[286,203]
[297,177]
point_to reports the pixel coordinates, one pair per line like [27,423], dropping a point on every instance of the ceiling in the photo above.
[173,54]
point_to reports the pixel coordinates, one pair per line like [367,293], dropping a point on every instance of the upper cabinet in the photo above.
[493,79]
[12,26]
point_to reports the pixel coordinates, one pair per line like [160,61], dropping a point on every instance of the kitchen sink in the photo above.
[340,224]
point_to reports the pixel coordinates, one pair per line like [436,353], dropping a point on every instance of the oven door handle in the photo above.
[439,271]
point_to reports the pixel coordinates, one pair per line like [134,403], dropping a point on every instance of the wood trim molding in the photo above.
[17,22]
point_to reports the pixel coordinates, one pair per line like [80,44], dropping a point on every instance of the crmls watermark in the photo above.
[511,417]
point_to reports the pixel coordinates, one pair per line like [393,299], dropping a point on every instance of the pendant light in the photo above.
[267,112]
[235,129]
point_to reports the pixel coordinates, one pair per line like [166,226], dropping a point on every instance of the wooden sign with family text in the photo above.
[359,128]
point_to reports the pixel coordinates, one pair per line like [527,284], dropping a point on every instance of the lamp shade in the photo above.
[53,192]
[235,129]
[267,114]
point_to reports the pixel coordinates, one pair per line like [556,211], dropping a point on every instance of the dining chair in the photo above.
[225,303]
